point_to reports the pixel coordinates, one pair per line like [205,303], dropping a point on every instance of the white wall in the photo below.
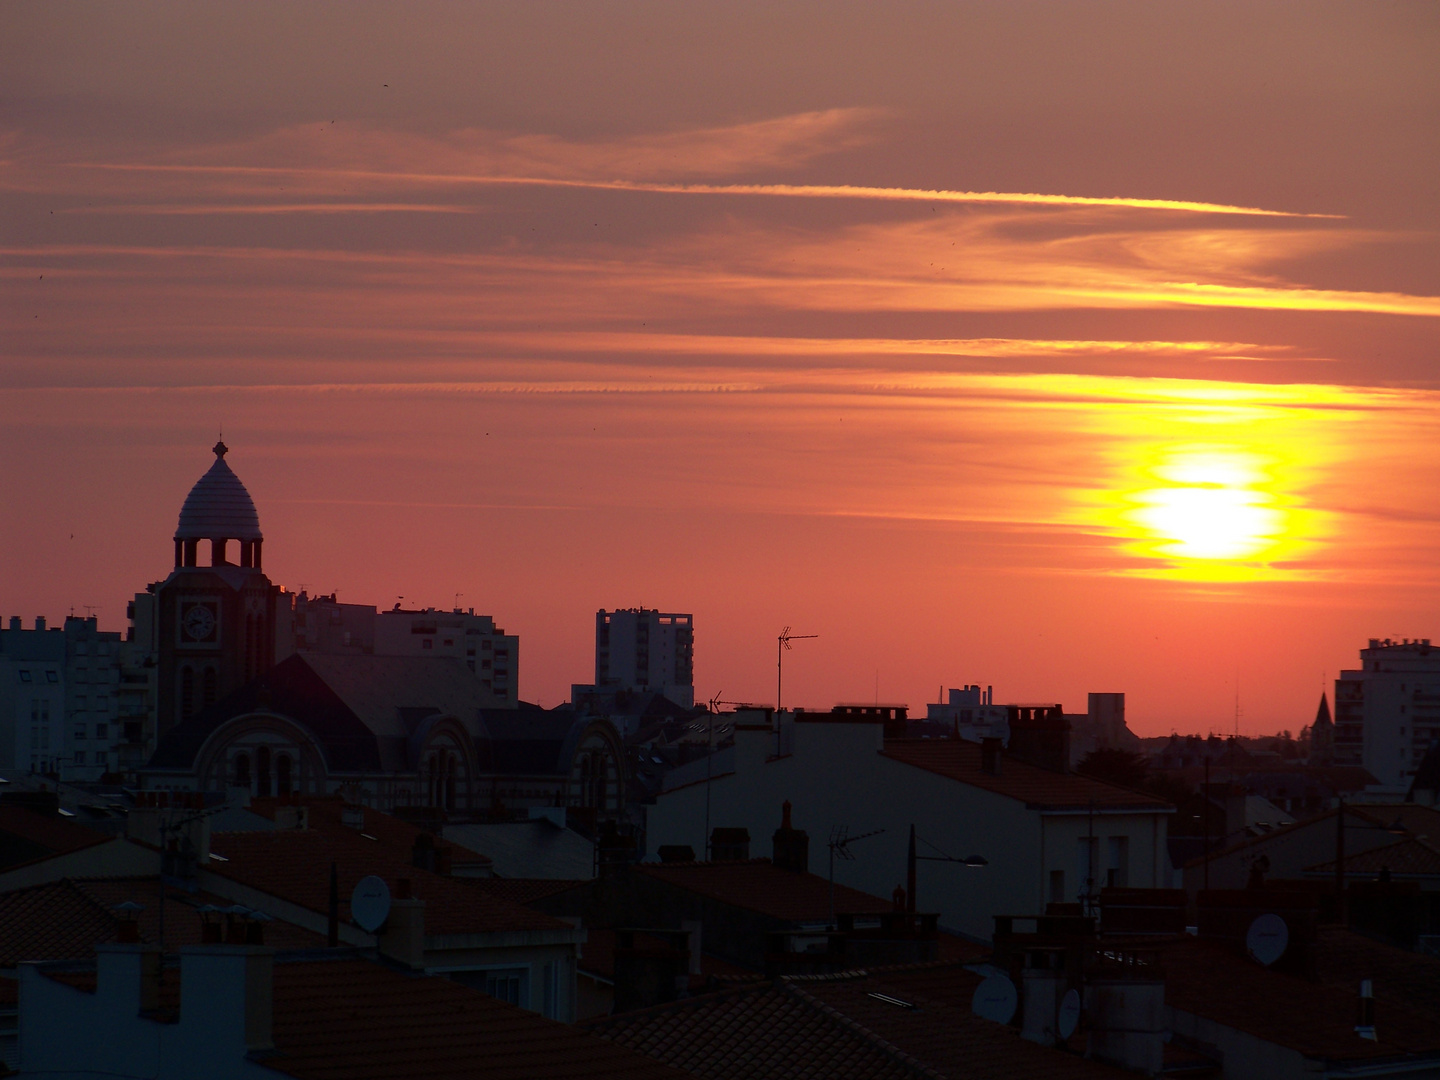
[836,776]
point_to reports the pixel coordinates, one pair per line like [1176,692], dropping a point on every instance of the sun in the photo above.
[1207,512]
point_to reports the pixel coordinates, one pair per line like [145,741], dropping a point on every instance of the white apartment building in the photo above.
[58,698]
[1387,713]
[1047,836]
[487,650]
[645,650]
[971,713]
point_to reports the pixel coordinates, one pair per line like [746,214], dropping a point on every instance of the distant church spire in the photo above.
[1322,714]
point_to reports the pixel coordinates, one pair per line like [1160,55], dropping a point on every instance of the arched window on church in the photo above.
[187,692]
[282,775]
[242,770]
[212,686]
[262,772]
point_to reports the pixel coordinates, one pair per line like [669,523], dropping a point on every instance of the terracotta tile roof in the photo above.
[525,890]
[1420,821]
[941,1030]
[959,759]
[65,920]
[757,885]
[1405,858]
[1343,958]
[817,1027]
[762,1032]
[354,1020]
[27,835]
[1316,1019]
[597,957]
[294,865]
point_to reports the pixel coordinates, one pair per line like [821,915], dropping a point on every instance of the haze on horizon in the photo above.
[1057,347]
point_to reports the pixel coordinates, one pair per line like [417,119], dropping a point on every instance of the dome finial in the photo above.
[220,449]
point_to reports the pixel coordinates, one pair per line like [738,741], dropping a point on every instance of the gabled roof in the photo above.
[294,865]
[66,919]
[804,1027]
[759,885]
[1405,858]
[353,1020]
[28,835]
[1042,789]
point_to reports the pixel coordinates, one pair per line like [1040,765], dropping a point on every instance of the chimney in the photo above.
[651,967]
[403,936]
[39,622]
[990,756]
[791,846]
[352,816]
[675,853]
[226,1000]
[1366,1027]
[292,817]
[15,622]
[1040,735]
[730,845]
[127,978]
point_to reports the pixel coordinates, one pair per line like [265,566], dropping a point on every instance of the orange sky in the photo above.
[1059,348]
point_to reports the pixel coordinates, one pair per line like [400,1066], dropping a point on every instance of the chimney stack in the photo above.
[226,1000]
[791,846]
[730,845]
[990,756]
[127,977]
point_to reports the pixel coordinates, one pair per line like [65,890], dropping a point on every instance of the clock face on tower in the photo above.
[199,622]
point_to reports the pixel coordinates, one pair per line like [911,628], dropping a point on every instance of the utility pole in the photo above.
[782,644]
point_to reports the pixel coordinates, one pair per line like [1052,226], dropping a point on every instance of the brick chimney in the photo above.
[990,756]
[1040,735]
[791,846]
[403,936]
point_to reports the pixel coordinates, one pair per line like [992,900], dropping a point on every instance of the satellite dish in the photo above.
[1267,938]
[1069,1018]
[995,999]
[370,903]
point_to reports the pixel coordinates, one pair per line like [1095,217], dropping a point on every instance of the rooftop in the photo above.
[294,865]
[758,885]
[66,919]
[1043,789]
[28,835]
[804,1027]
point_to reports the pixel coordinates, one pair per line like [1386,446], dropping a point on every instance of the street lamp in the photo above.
[974,862]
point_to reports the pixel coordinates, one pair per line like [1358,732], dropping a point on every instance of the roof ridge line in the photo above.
[900,1057]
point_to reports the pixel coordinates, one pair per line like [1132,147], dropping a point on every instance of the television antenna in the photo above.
[782,646]
[840,841]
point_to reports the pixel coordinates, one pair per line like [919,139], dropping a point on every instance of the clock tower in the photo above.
[215,623]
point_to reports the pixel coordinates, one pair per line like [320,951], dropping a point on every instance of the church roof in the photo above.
[218,506]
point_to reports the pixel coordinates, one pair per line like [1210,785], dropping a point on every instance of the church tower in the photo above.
[215,623]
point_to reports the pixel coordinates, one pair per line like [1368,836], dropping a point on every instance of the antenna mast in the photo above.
[782,645]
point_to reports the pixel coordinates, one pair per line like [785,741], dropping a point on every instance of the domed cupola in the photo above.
[218,509]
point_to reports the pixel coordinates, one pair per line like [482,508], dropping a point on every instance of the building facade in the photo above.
[644,650]
[1387,713]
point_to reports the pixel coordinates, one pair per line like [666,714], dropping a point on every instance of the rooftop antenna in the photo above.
[840,841]
[782,645]
[457,600]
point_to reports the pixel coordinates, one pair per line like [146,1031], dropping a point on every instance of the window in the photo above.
[80,733]
[79,757]
[1057,886]
[50,676]
[428,643]
[505,985]
[101,731]
[448,642]
[1117,862]
[24,676]
[211,686]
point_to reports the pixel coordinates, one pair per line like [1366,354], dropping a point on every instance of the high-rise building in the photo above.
[1387,713]
[642,649]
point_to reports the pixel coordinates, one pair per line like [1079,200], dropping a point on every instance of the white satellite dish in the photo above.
[1267,938]
[370,903]
[995,999]
[1069,1018]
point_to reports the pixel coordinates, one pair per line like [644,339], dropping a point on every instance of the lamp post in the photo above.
[974,862]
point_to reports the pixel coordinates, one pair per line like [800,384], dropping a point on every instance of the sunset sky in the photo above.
[1057,347]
